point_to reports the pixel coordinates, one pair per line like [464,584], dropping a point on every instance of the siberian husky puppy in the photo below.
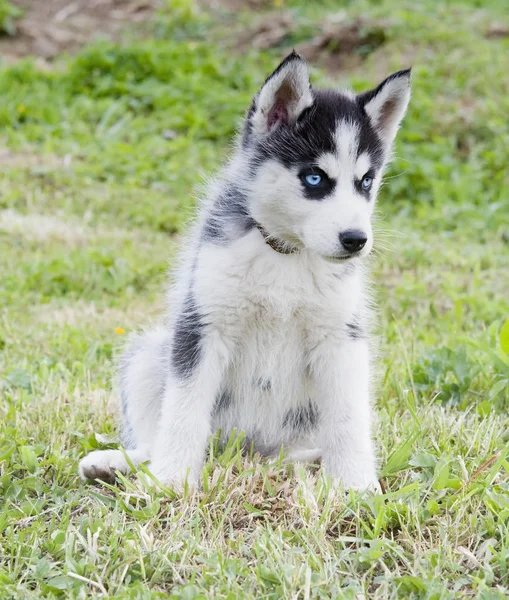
[267,331]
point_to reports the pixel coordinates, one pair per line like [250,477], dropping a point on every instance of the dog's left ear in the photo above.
[386,105]
[283,97]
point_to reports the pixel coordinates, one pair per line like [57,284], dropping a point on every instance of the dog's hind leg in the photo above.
[143,371]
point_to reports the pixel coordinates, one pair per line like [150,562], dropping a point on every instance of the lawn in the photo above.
[101,153]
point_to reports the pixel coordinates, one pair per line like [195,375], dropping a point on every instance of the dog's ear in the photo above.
[283,97]
[386,105]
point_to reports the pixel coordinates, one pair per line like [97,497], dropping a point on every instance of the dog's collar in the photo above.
[274,243]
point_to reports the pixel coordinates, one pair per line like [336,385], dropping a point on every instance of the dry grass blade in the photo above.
[477,472]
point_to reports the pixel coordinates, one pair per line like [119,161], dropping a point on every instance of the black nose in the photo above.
[353,240]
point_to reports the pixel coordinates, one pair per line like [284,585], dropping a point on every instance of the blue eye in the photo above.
[367,182]
[313,180]
[316,184]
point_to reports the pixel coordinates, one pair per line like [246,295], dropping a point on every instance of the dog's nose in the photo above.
[353,240]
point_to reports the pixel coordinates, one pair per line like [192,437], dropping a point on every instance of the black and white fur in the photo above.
[267,331]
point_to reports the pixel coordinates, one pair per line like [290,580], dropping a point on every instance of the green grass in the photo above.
[8,15]
[96,185]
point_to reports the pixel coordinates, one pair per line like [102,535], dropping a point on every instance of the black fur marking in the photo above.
[223,402]
[303,418]
[229,218]
[301,144]
[355,330]
[264,384]
[290,58]
[187,340]
[248,124]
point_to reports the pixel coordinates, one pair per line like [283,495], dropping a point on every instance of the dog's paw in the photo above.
[371,487]
[368,487]
[356,480]
[358,475]
[102,465]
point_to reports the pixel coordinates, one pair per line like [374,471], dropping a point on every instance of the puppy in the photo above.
[267,332]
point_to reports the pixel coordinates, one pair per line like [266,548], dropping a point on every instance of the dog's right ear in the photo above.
[283,97]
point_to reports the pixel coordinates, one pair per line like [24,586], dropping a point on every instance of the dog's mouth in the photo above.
[341,258]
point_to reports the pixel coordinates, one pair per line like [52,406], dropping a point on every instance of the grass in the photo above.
[8,15]
[98,169]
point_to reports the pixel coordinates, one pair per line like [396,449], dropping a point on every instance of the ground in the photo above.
[101,152]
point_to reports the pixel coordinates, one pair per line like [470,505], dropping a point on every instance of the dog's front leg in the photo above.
[342,374]
[186,414]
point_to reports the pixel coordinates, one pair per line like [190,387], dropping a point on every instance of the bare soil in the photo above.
[344,44]
[338,44]
[51,27]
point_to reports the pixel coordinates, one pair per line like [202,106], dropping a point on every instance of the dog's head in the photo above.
[317,158]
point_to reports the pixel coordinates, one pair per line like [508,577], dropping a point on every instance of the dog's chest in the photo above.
[274,318]
[274,309]
[273,343]
[272,306]
[267,379]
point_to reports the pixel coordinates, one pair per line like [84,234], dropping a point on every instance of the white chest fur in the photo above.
[276,308]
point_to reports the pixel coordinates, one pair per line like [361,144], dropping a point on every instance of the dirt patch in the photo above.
[338,44]
[344,45]
[497,31]
[269,33]
[239,5]
[43,228]
[112,320]
[50,27]
[28,160]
